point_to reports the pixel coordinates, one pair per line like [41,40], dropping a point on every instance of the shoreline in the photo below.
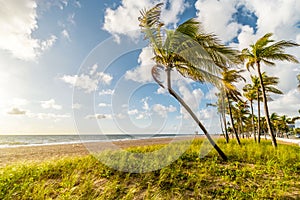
[40,153]
[25,154]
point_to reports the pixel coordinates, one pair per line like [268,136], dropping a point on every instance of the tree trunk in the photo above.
[222,129]
[231,118]
[258,115]
[274,142]
[252,120]
[188,109]
[225,127]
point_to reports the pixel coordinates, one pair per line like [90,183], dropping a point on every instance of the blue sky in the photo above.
[71,65]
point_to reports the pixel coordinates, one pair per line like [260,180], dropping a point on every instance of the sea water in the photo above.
[8,141]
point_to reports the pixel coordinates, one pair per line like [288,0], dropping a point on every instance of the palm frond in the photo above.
[150,18]
[199,75]
[265,40]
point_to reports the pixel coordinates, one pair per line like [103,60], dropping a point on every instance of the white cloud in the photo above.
[66,34]
[71,19]
[106,92]
[216,17]
[99,116]
[50,104]
[93,69]
[145,103]
[88,83]
[211,94]
[76,106]
[104,78]
[77,4]
[18,20]
[103,105]
[141,116]
[129,11]
[143,72]
[163,110]
[43,116]
[191,97]
[171,15]
[161,90]
[287,104]
[16,111]
[133,112]
[82,82]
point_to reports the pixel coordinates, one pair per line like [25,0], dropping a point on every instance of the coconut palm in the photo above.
[188,50]
[266,50]
[221,108]
[269,83]
[250,94]
[231,92]
[241,112]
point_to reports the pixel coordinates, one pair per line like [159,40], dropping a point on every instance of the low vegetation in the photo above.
[253,171]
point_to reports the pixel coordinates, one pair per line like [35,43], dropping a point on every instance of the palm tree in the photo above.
[269,83]
[275,123]
[221,107]
[250,94]
[188,50]
[231,92]
[256,87]
[241,112]
[266,51]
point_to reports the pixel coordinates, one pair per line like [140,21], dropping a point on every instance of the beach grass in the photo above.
[253,171]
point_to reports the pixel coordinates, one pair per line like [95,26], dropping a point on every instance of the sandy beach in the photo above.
[15,155]
[9,156]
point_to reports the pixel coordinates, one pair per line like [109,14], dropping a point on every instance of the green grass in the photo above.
[252,172]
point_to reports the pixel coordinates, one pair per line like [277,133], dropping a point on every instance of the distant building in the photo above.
[291,126]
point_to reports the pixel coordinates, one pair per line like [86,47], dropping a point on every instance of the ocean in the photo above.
[9,141]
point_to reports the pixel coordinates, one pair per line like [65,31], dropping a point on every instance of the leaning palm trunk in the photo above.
[232,122]
[188,109]
[274,143]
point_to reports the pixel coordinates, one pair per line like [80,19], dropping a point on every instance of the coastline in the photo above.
[25,154]
[40,153]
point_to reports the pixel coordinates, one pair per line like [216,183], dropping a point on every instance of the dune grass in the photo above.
[253,172]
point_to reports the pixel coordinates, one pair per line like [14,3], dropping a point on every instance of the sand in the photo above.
[10,156]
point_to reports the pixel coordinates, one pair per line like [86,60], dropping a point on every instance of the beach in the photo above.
[15,155]
[9,156]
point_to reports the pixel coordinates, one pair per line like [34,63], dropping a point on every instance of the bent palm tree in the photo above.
[187,49]
[231,92]
[266,51]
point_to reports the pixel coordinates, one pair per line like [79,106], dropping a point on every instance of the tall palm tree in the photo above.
[250,94]
[269,83]
[256,87]
[231,92]
[188,50]
[266,50]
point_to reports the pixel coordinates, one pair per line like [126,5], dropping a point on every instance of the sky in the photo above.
[71,66]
